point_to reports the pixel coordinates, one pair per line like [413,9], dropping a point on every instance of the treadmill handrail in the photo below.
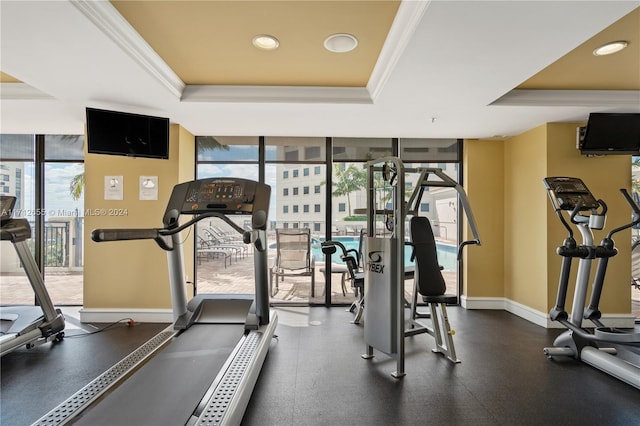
[159,235]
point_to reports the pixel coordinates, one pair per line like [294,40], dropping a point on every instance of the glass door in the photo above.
[63,210]
[295,168]
[224,264]
[17,178]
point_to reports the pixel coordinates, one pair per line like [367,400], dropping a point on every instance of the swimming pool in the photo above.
[447,253]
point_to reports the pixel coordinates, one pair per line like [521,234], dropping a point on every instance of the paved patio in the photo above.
[213,277]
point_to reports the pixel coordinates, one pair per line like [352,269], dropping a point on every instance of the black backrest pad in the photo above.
[352,265]
[430,280]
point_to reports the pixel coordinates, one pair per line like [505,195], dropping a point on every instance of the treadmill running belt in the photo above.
[167,389]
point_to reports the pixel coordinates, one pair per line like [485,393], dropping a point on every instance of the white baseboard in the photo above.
[496,303]
[537,317]
[138,315]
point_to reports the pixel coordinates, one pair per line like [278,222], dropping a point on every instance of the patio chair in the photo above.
[293,258]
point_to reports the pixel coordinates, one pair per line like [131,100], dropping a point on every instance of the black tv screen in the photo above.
[611,133]
[121,133]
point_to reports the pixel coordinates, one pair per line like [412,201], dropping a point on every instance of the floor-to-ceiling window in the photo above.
[349,199]
[224,263]
[64,220]
[295,168]
[317,184]
[635,240]
[17,171]
[439,204]
[46,175]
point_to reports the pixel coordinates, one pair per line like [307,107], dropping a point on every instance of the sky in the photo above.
[58,198]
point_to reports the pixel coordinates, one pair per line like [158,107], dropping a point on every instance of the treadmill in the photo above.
[26,326]
[201,370]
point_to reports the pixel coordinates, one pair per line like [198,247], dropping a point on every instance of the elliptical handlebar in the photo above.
[636,213]
[580,207]
[464,244]
[634,206]
[575,212]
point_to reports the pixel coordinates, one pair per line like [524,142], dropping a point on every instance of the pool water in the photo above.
[446,253]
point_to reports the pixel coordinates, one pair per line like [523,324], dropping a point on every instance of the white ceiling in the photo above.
[443,65]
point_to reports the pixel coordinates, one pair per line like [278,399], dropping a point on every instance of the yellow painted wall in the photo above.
[519,230]
[604,176]
[133,274]
[525,208]
[483,274]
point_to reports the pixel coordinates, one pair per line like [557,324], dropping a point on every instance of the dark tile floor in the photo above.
[314,375]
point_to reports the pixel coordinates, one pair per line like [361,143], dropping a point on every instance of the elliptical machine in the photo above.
[571,195]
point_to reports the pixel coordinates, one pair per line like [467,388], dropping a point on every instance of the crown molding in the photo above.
[276,94]
[22,91]
[586,98]
[110,22]
[404,25]
[107,18]
[113,25]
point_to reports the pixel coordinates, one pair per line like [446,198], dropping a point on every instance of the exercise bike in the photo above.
[568,194]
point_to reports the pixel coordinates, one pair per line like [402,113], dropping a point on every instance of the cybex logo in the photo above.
[374,262]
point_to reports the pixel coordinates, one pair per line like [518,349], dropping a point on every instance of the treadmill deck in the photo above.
[185,368]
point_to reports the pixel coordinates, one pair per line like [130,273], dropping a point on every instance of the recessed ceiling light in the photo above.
[609,48]
[265,42]
[340,43]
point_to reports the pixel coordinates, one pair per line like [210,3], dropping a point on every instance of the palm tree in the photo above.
[348,179]
[203,143]
[208,143]
[77,186]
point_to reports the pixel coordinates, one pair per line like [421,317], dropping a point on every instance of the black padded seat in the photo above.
[445,298]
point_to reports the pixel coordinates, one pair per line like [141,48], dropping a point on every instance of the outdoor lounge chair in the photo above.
[293,258]
[206,250]
[214,239]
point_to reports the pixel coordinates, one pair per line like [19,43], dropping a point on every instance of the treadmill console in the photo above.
[6,207]
[218,195]
[567,192]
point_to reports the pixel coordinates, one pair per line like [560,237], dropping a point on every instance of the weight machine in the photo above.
[384,262]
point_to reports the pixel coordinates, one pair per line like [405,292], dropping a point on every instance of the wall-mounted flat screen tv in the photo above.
[610,134]
[121,133]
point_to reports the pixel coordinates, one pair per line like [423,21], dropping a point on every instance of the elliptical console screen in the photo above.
[568,192]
